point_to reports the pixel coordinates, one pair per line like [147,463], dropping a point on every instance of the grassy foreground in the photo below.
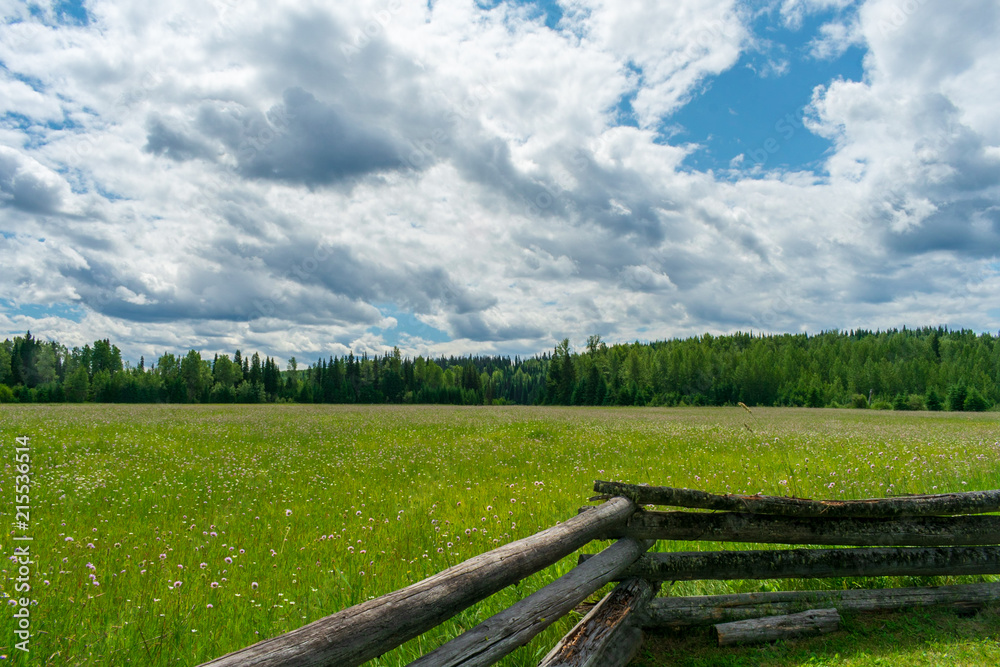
[174,534]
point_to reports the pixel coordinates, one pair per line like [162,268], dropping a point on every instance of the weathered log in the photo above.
[365,631]
[816,563]
[606,635]
[772,628]
[682,612]
[623,648]
[515,626]
[771,529]
[973,502]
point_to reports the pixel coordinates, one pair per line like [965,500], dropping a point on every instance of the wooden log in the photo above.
[367,630]
[682,612]
[606,635]
[771,529]
[772,628]
[816,563]
[515,626]
[973,502]
[624,648]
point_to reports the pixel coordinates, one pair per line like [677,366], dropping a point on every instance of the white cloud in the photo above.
[914,136]
[835,38]
[794,11]
[29,186]
[674,45]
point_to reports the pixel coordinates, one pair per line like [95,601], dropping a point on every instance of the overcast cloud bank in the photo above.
[308,178]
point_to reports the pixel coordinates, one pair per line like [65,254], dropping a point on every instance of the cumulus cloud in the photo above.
[27,185]
[319,144]
[912,137]
[671,49]
[835,38]
[164,138]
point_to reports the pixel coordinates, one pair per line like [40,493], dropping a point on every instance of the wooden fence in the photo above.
[945,534]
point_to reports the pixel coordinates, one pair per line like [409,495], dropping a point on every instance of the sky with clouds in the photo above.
[452,176]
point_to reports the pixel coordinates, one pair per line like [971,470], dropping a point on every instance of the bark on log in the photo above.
[607,634]
[772,628]
[367,630]
[682,612]
[816,563]
[974,502]
[770,529]
[515,626]
[624,648]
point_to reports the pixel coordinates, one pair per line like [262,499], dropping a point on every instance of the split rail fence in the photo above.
[930,535]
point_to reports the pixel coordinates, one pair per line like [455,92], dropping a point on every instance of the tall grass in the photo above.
[174,534]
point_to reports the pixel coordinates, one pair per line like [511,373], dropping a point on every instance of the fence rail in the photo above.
[911,535]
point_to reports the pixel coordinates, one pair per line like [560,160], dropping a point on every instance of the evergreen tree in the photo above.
[5,349]
[76,387]
[975,401]
[956,397]
[933,399]
[196,375]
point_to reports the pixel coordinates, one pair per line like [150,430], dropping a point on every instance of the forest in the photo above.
[908,369]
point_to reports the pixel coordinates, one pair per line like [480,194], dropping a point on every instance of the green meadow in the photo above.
[169,535]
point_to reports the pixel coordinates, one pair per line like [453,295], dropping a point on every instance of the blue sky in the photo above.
[490,177]
[755,111]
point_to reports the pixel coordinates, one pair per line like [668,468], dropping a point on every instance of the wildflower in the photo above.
[203,565]
[253,585]
[177,584]
[208,606]
[69,539]
[288,512]
[214,584]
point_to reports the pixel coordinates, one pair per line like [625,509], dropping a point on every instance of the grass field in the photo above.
[168,535]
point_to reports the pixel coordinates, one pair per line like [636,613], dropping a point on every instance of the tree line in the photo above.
[908,369]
